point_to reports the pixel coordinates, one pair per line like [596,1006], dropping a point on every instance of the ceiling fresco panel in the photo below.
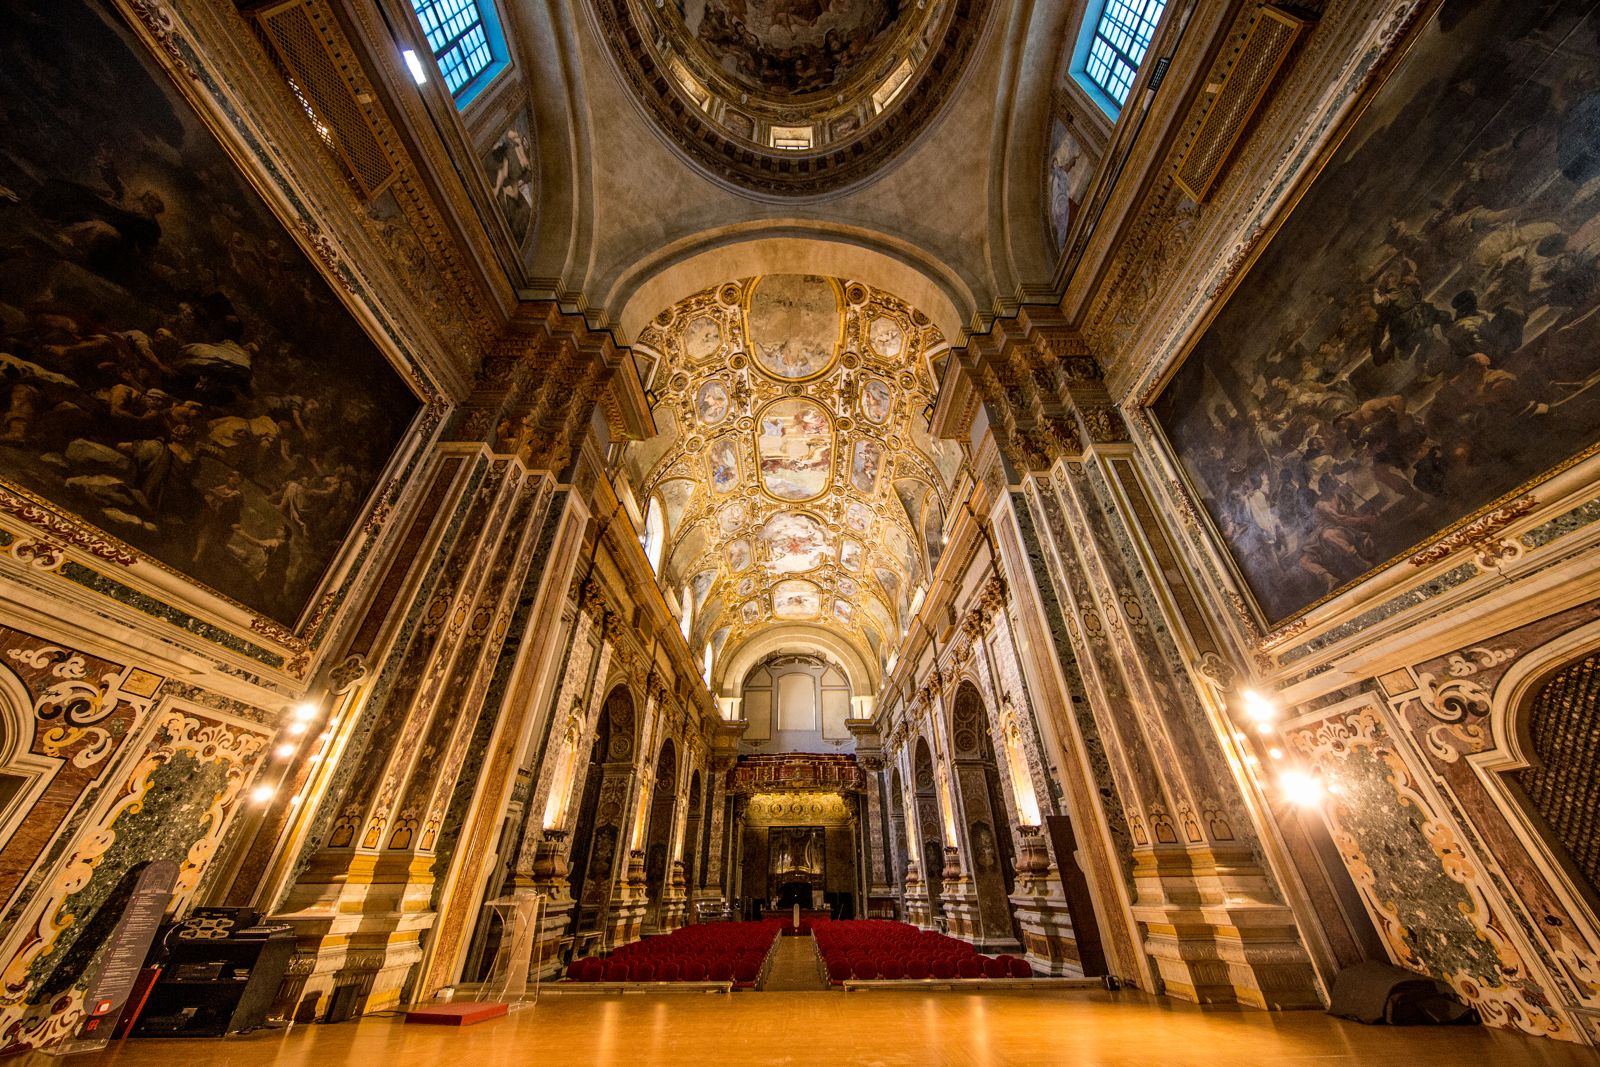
[793,325]
[799,400]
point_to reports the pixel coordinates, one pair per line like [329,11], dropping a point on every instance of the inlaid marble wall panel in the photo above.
[1456,875]
[126,772]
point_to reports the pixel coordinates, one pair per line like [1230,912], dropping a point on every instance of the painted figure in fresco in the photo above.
[875,400]
[724,467]
[509,165]
[713,403]
[702,337]
[864,467]
[1069,172]
[791,46]
[885,337]
[796,448]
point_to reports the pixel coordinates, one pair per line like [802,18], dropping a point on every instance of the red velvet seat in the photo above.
[944,967]
[891,968]
[693,971]
[838,969]
[746,971]
[971,967]
[918,967]
[722,970]
[616,970]
[668,971]
[864,969]
[1018,968]
[995,967]
[641,971]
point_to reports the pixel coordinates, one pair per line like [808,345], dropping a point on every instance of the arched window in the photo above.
[467,45]
[1112,43]
[1561,727]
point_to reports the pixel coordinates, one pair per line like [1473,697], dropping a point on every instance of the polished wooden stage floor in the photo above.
[880,1029]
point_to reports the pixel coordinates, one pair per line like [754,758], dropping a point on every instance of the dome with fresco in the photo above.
[792,96]
[793,480]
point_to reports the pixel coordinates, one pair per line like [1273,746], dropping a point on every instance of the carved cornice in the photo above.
[1481,534]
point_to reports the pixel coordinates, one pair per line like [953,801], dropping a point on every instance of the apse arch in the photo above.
[744,250]
[729,675]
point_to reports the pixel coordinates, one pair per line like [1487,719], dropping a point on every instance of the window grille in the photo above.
[1121,37]
[1562,785]
[459,37]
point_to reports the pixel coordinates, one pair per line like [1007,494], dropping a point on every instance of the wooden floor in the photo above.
[873,1029]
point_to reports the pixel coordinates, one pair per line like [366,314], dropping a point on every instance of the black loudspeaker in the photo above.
[218,977]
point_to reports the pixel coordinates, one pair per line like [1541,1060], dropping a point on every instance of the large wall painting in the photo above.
[1421,337]
[172,368]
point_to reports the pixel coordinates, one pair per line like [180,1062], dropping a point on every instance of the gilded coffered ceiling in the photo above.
[794,481]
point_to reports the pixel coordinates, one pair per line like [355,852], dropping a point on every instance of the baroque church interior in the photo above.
[975,531]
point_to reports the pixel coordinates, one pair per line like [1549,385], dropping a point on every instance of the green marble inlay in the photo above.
[1427,591]
[1562,525]
[1408,875]
[156,609]
[171,817]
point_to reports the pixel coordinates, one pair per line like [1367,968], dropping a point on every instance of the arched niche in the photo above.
[729,675]
[983,813]
[713,256]
[658,834]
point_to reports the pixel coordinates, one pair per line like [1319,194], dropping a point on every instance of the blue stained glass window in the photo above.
[459,37]
[1117,46]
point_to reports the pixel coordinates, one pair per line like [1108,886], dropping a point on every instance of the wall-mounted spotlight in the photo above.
[1300,788]
[419,73]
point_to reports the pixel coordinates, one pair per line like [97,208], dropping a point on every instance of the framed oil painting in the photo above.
[1420,338]
[173,369]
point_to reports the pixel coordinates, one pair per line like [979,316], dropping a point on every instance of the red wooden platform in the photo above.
[462,1013]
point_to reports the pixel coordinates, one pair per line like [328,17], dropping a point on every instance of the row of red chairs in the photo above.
[715,952]
[869,949]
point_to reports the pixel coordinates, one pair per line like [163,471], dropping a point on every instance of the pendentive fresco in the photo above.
[1419,338]
[172,368]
